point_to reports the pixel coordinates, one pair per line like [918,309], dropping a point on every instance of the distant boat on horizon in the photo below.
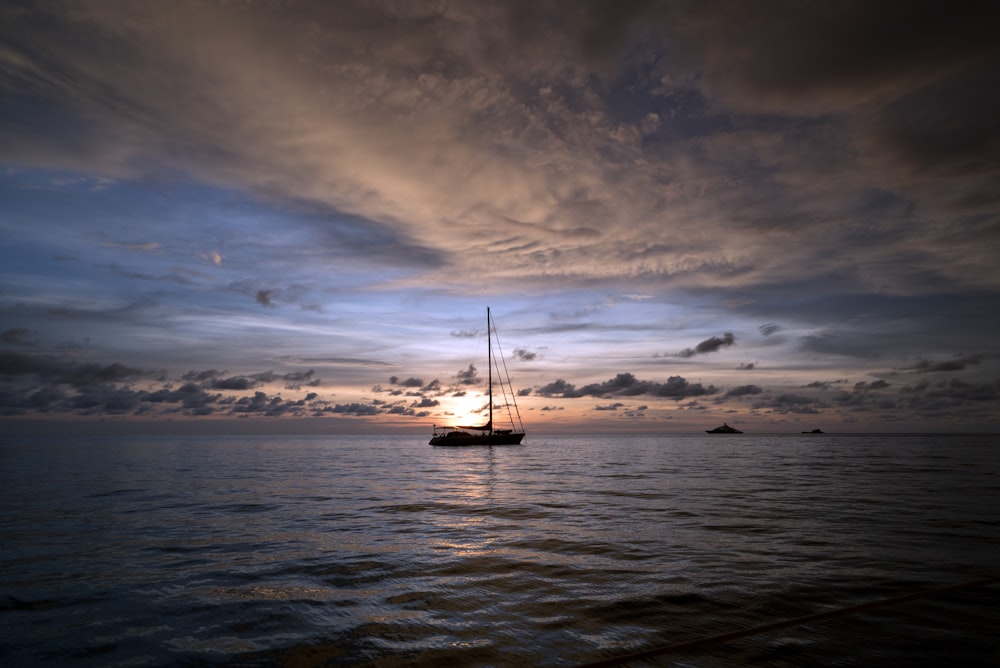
[463,435]
[724,429]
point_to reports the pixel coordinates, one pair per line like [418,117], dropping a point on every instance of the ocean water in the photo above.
[379,551]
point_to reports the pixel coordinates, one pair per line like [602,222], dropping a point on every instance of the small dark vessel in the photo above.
[724,429]
[487,435]
[814,431]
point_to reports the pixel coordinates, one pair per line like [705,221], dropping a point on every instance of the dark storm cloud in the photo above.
[874,385]
[59,370]
[19,336]
[423,397]
[234,383]
[52,384]
[374,408]
[959,390]
[218,380]
[469,376]
[745,48]
[711,345]
[866,326]
[556,388]
[913,389]
[296,380]
[952,397]
[824,384]
[626,384]
[866,397]
[744,390]
[925,400]
[957,364]
[417,387]
[409,382]
[188,397]
[947,128]
[202,376]
[850,343]
[427,402]
[104,400]
[791,403]
[260,404]
[18,364]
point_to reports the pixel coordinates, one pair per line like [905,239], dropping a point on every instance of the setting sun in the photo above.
[466,410]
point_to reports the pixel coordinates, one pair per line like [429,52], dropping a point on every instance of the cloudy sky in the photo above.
[783,215]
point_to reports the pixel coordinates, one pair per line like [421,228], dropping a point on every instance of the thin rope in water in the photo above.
[797,621]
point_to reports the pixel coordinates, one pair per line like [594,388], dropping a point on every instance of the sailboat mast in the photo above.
[489,363]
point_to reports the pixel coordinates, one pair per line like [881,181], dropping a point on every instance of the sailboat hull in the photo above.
[462,438]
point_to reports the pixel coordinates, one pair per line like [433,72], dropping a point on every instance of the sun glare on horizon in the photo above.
[468,409]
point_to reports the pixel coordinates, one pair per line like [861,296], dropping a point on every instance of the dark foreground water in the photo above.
[355,551]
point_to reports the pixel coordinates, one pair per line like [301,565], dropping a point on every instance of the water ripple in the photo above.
[377,552]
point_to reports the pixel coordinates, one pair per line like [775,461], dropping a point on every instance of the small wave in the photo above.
[240,508]
[573,548]
[117,492]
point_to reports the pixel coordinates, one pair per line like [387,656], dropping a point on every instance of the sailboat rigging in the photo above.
[487,433]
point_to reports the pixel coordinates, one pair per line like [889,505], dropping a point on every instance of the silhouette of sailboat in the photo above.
[487,434]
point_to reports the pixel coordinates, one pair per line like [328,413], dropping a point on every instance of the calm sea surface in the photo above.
[358,551]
